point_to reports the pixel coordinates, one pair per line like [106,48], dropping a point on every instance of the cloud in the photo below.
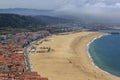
[37,4]
[89,6]
[117,5]
[97,10]
[109,9]
[54,4]
[104,5]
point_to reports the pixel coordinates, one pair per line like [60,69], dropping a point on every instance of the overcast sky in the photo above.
[109,9]
[36,4]
[53,4]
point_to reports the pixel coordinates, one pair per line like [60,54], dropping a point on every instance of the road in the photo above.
[27,60]
[26,54]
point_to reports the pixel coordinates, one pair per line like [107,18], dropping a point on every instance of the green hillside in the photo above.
[10,23]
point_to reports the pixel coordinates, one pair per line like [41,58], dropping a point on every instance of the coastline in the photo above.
[79,62]
[91,57]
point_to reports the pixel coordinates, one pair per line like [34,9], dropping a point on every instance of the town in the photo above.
[14,61]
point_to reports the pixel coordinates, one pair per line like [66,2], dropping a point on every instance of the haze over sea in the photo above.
[105,53]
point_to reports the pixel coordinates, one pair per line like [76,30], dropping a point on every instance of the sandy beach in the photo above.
[68,58]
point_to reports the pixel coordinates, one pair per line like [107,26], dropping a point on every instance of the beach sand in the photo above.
[69,59]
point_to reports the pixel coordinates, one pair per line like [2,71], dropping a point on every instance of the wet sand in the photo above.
[69,59]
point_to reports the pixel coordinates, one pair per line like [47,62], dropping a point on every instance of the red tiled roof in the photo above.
[15,63]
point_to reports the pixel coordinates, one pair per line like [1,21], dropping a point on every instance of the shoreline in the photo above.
[92,58]
[86,67]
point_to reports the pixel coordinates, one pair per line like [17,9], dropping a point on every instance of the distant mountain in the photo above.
[19,21]
[85,15]
[14,23]
[51,20]
[38,12]
[22,11]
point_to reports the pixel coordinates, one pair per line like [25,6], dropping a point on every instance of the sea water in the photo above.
[105,53]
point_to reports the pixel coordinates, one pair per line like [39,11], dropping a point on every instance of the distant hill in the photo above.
[13,20]
[19,21]
[81,17]
[51,20]
[39,12]
[10,23]
[22,11]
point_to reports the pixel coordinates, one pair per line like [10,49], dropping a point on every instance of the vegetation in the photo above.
[12,23]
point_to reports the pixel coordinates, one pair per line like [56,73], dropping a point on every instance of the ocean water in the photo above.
[105,53]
